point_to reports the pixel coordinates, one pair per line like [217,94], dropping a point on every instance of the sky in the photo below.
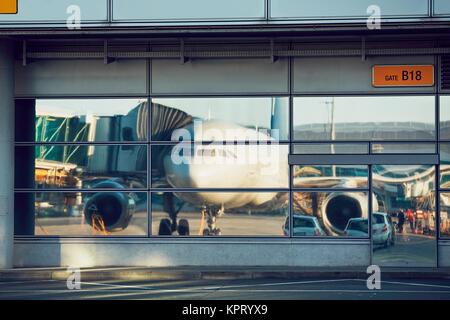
[309,110]
[245,111]
[257,111]
[73,107]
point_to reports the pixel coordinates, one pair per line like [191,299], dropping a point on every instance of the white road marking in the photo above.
[25,281]
[222,287]
[412,284]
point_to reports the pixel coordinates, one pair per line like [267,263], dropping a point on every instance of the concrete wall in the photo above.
[444,253]
[220,76]
[205,76]
[348,74]
[81,77]
[222,252]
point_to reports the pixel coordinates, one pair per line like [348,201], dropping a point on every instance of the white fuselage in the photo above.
[224,166]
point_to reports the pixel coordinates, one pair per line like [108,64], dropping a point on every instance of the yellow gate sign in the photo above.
[8,6]
[403,76]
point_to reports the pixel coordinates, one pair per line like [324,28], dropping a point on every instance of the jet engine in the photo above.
[109,210]
[339,207]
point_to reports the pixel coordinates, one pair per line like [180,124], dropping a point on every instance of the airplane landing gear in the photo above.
[168,226]
[212,229]
[183,227]
[165,227]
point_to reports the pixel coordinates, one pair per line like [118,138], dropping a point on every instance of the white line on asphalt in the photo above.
[410,284]
[224,287]
[25,281]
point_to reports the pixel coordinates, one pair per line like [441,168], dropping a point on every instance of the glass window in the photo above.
[332,213]
[84,214]
[444,115]
[220,119]
[84,166]
[445,214]
[333,176]
[220,214]
[403,223]
[403,148]
[364,118]
[189,165]
[91,120]
[331,148]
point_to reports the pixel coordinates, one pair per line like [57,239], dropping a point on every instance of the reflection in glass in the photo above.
[220,119]
[445,214]
[87,166]
[364,118]
[444,115]
[88,214]
[219,213]
[333,176]
[334,212]
[220,166]
[403,148]
[444,155]
[403,226]
[91,120]
[331,148]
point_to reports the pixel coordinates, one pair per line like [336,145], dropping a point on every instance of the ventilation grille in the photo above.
[445,72]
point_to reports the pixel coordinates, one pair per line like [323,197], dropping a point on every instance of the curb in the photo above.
[144,275]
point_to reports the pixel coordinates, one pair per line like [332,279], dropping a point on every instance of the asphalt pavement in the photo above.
[256,289]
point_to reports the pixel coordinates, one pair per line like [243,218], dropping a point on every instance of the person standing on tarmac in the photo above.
[410,217]
[401,220]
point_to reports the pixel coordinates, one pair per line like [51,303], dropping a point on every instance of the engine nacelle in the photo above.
[114,209]
[339,207]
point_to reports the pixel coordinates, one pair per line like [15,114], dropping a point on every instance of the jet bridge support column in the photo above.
[6,154]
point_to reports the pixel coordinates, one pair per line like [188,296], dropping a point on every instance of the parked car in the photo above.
[304,226]
[357,227]
[383,231]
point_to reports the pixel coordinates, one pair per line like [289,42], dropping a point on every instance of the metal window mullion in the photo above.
[370,194]
[364,159]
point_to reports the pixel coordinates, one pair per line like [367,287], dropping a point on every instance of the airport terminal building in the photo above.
[225,133]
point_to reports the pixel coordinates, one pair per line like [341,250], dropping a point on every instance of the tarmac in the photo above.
[217,273]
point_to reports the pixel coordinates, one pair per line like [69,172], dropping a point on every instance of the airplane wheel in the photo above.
[206,232]
[165,228]
[183,227]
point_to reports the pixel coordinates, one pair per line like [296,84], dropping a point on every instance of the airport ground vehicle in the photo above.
[304,226]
